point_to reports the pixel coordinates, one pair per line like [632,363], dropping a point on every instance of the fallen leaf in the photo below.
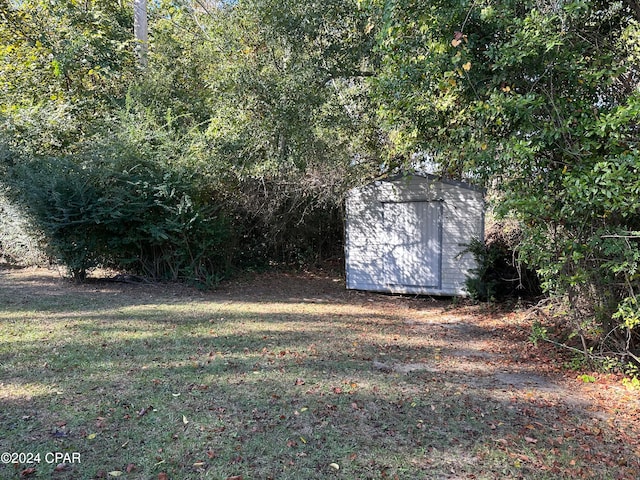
[27,471]
[115,473]
[144,411]
[184,420]
[235,477]
[163,476]
[91,436]
[130,468]
[61,467]
[299,381]
[530,440]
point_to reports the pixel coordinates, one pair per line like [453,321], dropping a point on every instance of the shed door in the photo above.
[414,243]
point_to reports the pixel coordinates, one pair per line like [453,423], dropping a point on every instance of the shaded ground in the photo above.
[290,376]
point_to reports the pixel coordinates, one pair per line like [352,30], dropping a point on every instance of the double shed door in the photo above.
[413,251]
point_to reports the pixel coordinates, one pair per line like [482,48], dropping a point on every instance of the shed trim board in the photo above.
[434,178]
[408,234]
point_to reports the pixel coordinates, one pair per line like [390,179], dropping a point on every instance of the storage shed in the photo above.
[408,234]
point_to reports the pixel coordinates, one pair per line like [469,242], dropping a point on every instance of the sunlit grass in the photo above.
[214,386]
[12,391]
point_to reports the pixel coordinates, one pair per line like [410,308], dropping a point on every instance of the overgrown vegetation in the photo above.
[232,154]
[499,273]
[541,100]
[133,216]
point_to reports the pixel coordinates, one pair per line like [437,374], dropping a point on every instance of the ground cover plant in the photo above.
[289,377]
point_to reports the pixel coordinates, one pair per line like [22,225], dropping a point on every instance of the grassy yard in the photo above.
[290,377]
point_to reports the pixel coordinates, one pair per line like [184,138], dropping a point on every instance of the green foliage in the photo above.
[124,215]
[66,204]
[628,313]
[17,244]
[499,272]
[587,378]
[539,100]
[485,282]
[538,332]
[63,65]
[286,115]
[578,362]
[232,147]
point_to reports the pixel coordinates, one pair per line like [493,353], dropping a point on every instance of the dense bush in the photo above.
[131,216]
[500,273]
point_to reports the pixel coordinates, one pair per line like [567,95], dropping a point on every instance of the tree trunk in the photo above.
[141,30]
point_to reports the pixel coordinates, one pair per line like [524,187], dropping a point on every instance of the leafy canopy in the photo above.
[539,100]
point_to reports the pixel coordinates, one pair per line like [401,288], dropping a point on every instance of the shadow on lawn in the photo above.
[211,386]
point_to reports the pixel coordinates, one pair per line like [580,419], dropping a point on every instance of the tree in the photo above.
[290,116]
[141,29]
[540,100]
[63,65]
[247,124]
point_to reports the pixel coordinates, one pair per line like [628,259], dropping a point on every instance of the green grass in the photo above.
[161,380]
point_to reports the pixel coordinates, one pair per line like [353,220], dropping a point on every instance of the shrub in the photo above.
[499,273]
[122,215]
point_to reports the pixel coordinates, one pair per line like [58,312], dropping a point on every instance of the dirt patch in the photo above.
[527,381]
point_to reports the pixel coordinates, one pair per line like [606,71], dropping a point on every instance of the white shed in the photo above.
[408,234]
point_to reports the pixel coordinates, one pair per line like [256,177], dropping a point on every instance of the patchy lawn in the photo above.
[291,377]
